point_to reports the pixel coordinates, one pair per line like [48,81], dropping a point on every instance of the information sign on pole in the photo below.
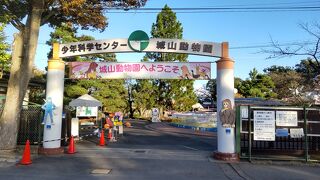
[264,126]
[287,118]
[296,133]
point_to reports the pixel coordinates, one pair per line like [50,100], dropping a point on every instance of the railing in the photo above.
[296,133]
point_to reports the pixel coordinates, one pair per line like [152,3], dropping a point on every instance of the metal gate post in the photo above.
[238,135]
[249,131]
[306,149]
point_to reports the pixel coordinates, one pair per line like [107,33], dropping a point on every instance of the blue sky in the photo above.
[240,29]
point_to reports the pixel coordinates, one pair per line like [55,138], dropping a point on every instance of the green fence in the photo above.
[278,133]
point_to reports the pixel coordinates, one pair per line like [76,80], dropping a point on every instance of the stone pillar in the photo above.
[225,108]
[54,90]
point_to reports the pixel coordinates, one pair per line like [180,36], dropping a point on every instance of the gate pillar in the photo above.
[54,91]
[225,108]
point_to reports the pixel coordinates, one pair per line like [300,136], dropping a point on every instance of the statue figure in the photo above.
[48,107]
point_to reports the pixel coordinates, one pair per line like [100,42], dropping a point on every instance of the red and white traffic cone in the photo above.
[102,141]
[26,158]
[71,149]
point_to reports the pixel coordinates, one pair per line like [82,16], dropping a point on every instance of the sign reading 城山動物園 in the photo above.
[139,41]
[146,70]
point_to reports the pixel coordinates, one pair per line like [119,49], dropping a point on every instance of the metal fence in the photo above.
[285,133]
[30,124]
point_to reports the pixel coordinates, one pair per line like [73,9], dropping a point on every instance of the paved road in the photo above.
[144,153]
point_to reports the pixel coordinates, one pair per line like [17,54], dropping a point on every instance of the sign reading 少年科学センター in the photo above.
[146,70]
[139,41]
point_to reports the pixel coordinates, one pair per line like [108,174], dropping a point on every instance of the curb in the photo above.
[149,126]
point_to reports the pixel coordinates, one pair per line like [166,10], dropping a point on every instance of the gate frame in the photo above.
[225,90]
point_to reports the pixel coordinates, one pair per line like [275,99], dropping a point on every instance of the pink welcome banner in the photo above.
[142,70]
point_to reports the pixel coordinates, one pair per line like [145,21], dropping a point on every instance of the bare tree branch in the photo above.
[298,49]
[306,28]
[17,24]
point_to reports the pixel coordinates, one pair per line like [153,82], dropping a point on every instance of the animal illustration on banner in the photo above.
[48,108]
[91,73]
[85,70]
[197,72]
[227,114]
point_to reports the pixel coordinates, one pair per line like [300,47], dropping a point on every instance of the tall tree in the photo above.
[286,81]
[27,16]
[171,92]
[307,70]
[4,48]
[258,85]
[212,88]
[144,96]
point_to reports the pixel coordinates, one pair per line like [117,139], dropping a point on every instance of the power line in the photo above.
[277,3]
[271,45]
[224,11]
[216,10]
[219,8]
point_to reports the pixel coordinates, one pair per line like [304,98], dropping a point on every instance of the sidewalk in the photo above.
[257,169]
[165,127]
[146,162]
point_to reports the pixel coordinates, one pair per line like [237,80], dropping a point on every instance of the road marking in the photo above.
[191,148]
[100,171]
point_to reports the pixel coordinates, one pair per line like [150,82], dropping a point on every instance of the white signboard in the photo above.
[83,111]
[244,112]
[264,126]
[155,115]
[287,118]
[152,45]
[296,133]
[75,127]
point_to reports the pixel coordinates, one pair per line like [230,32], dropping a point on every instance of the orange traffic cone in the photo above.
[102,141]
[26,158]
[72,148]
[109,134]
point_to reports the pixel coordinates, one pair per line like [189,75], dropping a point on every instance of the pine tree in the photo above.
[171,94]
[144,96]
[111,93]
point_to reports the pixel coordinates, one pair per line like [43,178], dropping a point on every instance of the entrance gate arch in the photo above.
[139,41]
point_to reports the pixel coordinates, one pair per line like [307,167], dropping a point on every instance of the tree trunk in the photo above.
[23,54]
[131,109]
